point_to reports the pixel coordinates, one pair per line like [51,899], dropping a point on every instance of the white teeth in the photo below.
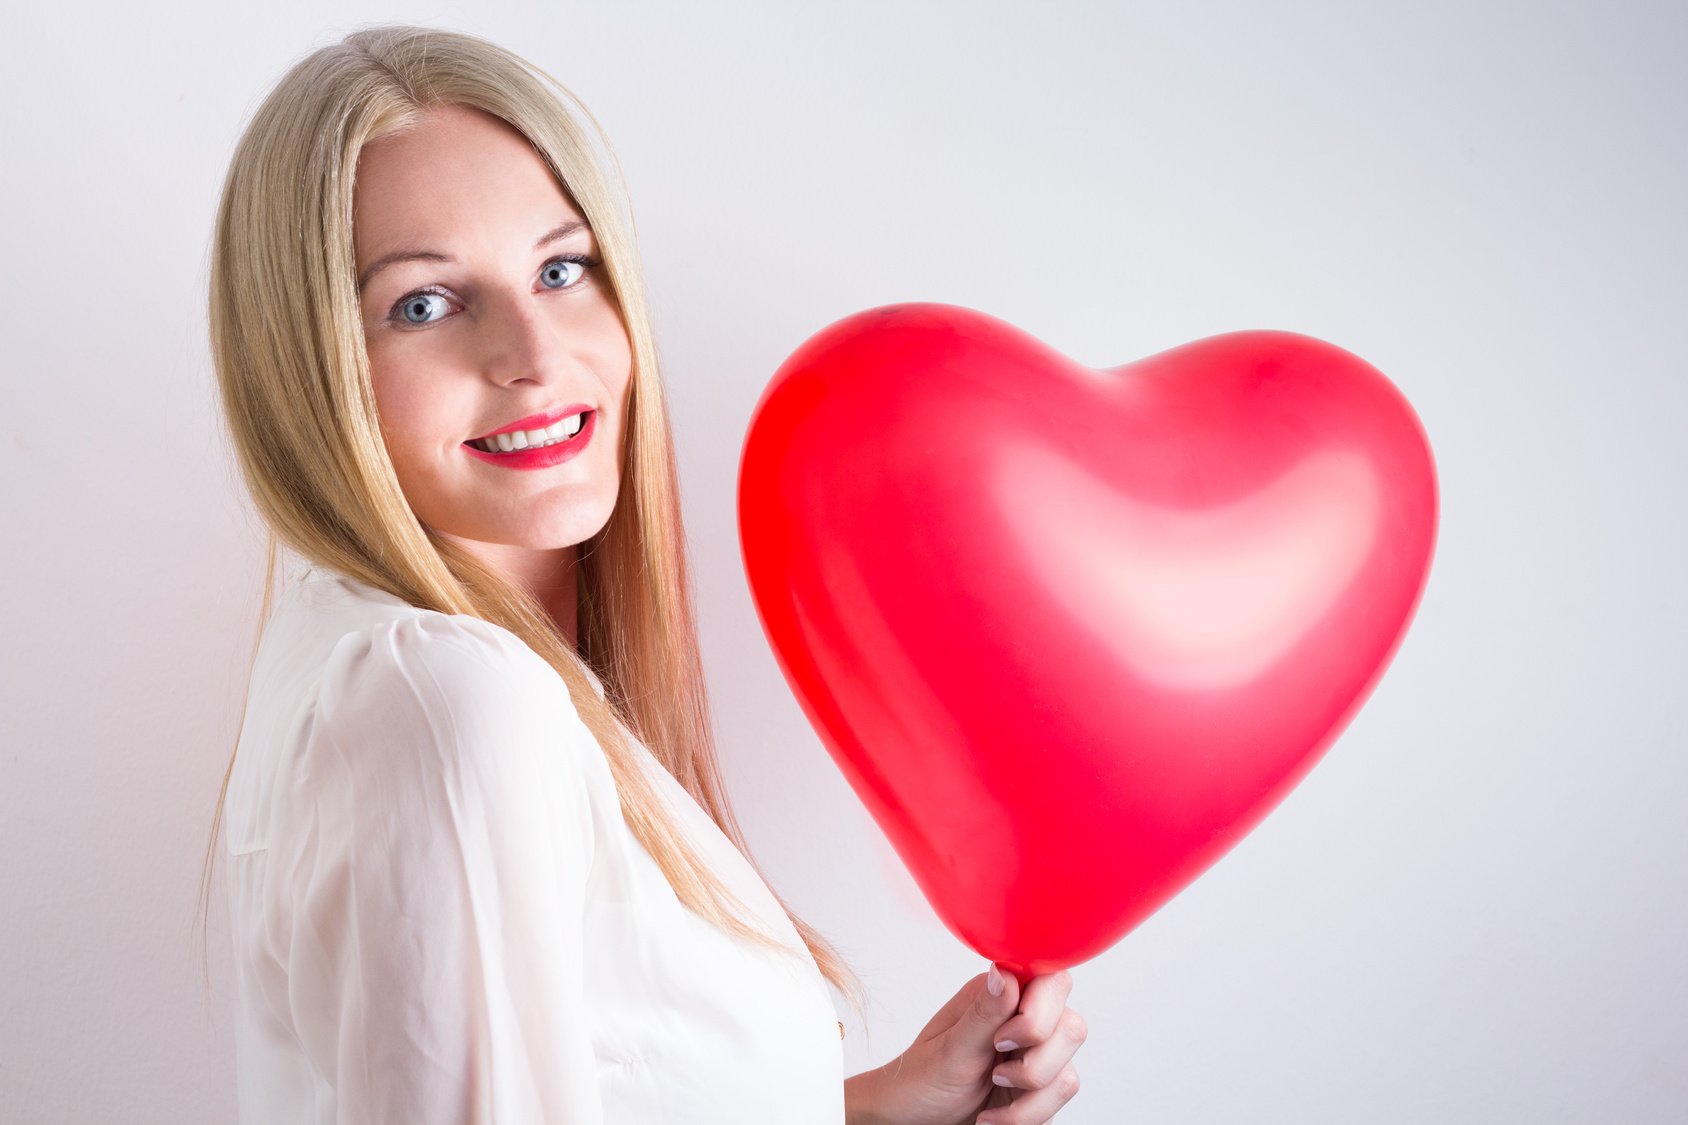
[532,439]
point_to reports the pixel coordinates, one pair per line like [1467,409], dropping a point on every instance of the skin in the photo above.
[949,1075]
[511,332]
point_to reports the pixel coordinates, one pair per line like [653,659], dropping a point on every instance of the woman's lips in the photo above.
[537,421]
[545,456]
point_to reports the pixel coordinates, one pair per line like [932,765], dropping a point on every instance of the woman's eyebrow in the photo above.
[381,263]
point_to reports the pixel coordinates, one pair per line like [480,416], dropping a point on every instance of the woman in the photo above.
[482,867]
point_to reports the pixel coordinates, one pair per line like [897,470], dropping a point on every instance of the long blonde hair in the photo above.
[287,344]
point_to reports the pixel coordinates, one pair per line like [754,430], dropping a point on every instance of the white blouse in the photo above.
[439,914]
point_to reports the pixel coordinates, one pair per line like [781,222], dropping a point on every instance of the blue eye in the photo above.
[412,303]
[555,267]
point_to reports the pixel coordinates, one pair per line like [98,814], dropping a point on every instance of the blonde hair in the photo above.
[293,375]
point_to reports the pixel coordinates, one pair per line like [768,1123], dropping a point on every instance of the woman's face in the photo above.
[488,317]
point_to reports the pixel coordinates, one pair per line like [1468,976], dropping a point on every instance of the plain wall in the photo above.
[1474,909]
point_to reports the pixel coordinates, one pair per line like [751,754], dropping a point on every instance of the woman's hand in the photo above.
[953,1074]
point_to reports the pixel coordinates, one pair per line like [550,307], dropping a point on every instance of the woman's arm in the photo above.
[434,896]
[863,1097]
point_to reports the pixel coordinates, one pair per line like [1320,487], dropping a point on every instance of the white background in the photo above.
[1474,910]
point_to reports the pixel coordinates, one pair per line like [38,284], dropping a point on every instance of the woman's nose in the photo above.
[519,338]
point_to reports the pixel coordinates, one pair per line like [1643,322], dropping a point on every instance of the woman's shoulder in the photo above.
[377,649]
[407,687]
[357,689]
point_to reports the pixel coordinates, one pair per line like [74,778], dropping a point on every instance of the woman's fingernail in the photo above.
[1008,1045]
[993,983]
[1000,1080]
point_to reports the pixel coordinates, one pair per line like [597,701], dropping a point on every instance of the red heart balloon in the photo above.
[1071,633]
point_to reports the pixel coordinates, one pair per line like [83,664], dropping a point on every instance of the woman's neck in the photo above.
[548,573]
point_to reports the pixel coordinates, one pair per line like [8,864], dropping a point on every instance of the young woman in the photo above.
[481,864]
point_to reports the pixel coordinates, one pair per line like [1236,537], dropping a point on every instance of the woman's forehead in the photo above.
[462,172]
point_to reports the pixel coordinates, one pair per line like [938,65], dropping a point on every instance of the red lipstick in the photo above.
[536,421]
[546,456]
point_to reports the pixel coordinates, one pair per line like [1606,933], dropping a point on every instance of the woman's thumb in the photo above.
[996,1001]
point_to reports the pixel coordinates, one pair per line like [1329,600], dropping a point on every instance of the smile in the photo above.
[560,431]
[542,449]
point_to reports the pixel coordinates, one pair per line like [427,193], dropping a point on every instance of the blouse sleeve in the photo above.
[435,960]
